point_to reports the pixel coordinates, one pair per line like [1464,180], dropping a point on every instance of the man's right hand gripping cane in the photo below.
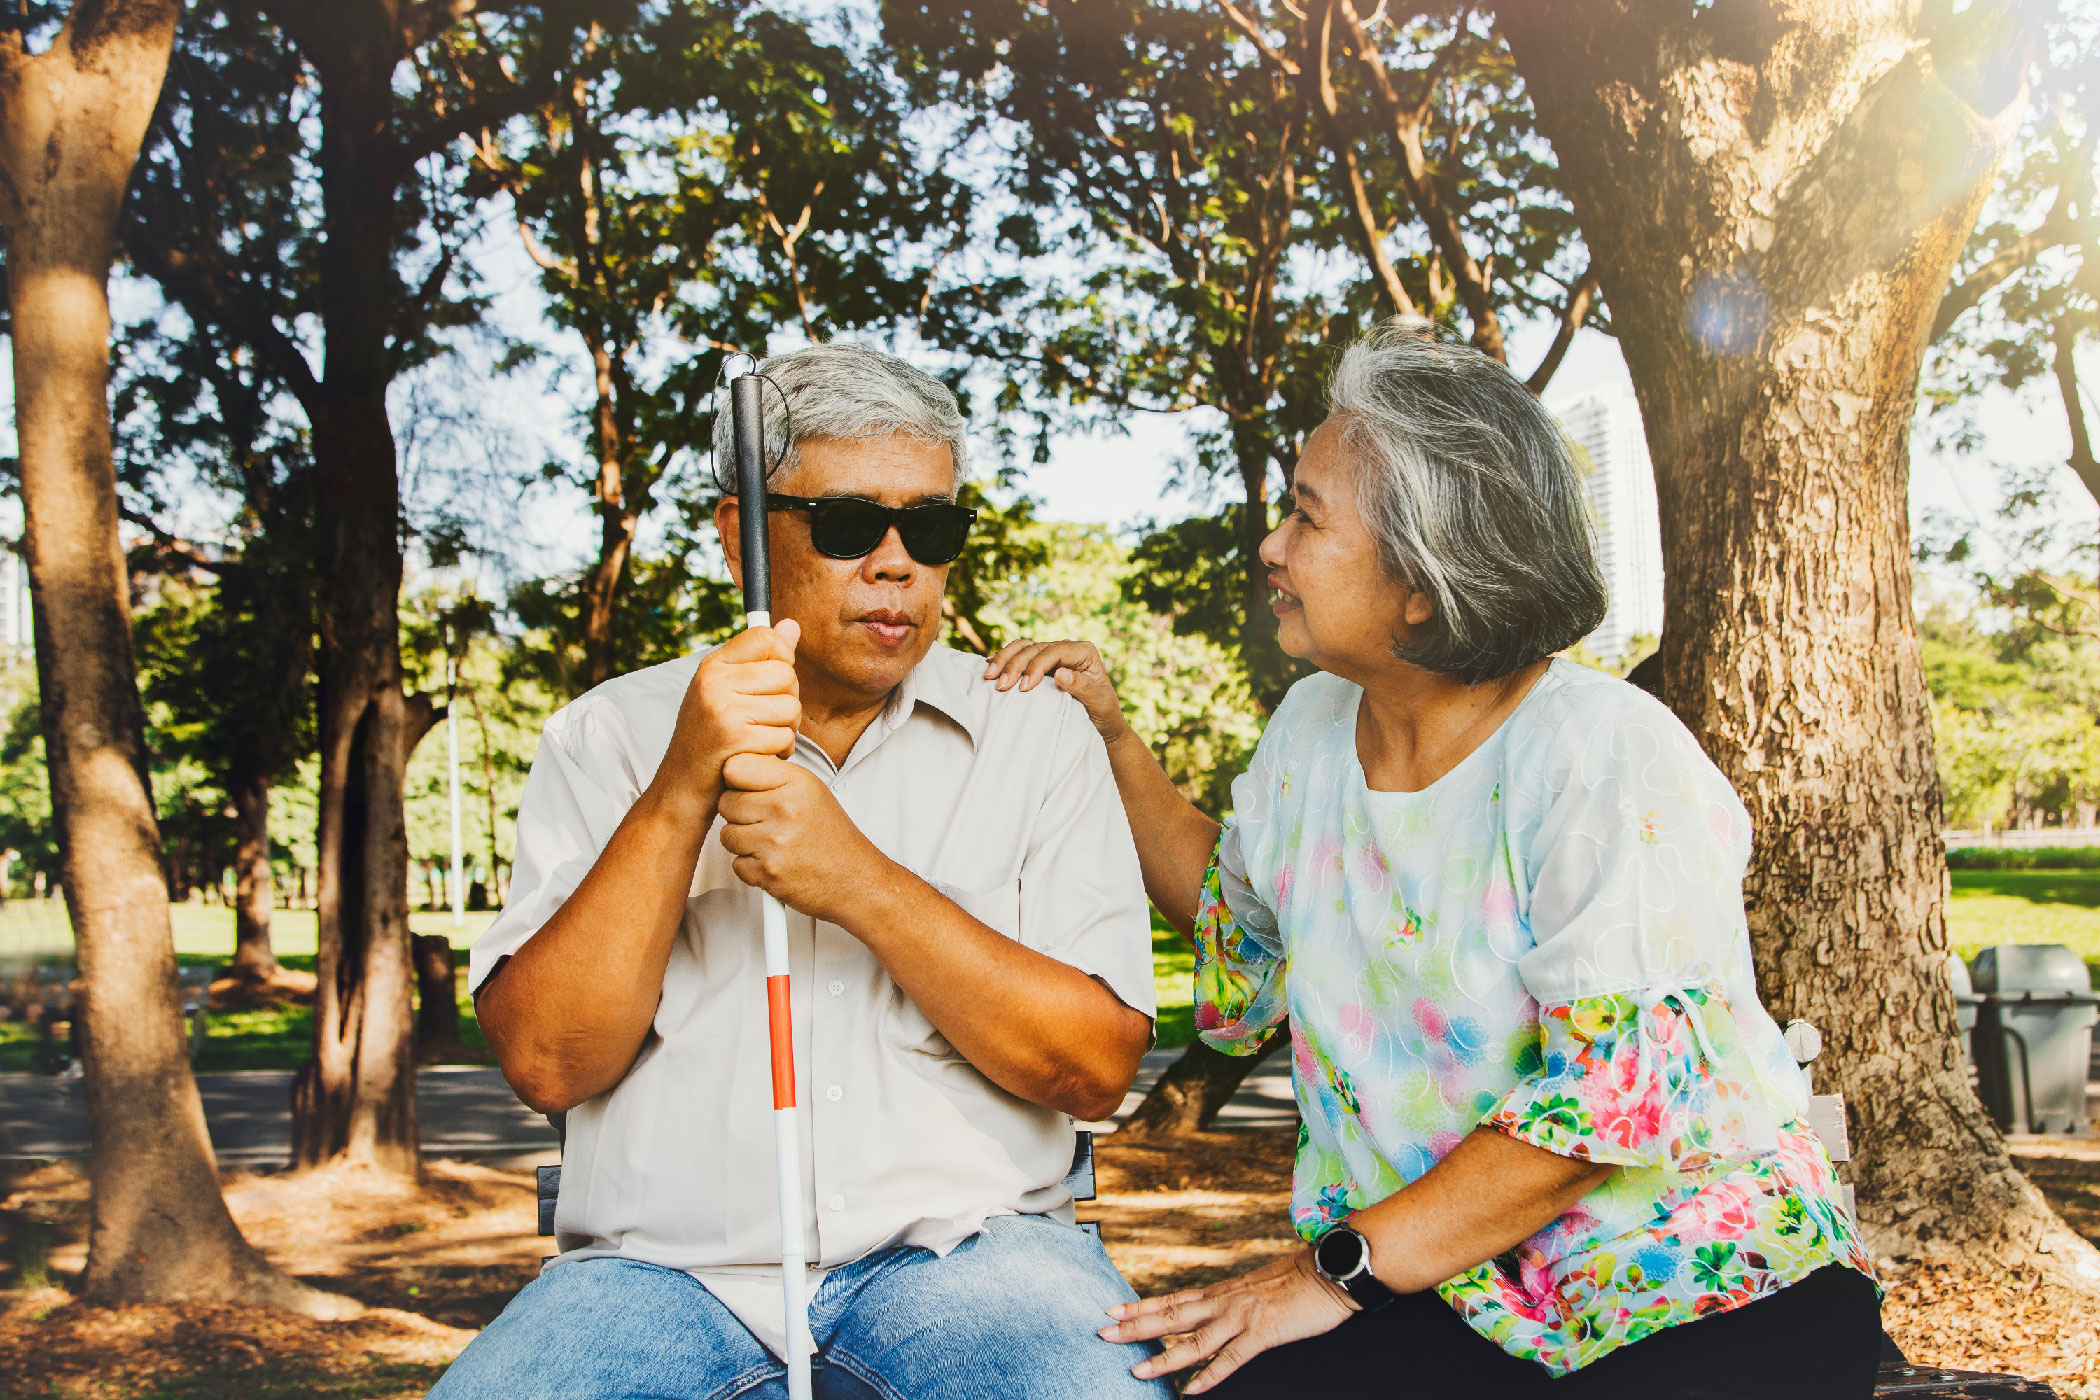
[572,1008]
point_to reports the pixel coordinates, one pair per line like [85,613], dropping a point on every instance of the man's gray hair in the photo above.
[842,391]
[1472,493]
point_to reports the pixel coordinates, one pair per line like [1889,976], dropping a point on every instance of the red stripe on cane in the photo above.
[781,1028]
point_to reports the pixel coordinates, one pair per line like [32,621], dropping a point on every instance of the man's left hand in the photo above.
[1231,1323]
[791,838]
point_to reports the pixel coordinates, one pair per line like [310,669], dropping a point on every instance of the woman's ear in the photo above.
[1418,609]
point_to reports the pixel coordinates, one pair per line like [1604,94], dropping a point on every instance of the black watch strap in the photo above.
[1343,1258]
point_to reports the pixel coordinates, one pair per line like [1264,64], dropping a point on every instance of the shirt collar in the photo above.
[938,682]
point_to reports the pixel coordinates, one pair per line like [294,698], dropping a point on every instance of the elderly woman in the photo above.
[1552,1144]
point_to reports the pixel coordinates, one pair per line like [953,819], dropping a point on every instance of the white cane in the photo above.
[747,421]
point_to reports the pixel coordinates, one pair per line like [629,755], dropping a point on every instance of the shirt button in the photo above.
[837,1203]
[834,1093]
[837,988]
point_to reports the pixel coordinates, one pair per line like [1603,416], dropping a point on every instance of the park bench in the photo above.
[1898,1378]
[45,996]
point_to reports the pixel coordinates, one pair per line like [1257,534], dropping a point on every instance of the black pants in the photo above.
[1818,1339]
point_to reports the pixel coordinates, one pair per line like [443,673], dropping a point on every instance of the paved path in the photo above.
[470,1112]
[465,1111]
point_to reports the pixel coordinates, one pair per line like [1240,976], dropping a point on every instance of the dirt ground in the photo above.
[434,1264]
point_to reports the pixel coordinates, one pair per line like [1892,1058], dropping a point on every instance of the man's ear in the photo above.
[728,524]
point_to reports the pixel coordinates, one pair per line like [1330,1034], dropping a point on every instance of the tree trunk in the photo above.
[71,120]
[1191,1091]
[356,1099]
[437,990]
[616,526]
[255,889]
[1774,199]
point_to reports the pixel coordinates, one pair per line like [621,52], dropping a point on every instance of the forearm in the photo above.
[1038,1028]
[1174,839]
[1488,1194]
[570,1009]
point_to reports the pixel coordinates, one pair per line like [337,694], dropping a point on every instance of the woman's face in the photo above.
[1335,604]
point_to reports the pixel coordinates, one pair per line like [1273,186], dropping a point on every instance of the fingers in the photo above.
[1194,1347]
[1149,1318]
[760,644]
[1233,1355]
[1000,657]
[753,773]
[1026,663]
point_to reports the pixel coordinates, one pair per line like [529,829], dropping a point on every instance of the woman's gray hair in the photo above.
[842,391]
[1472,493]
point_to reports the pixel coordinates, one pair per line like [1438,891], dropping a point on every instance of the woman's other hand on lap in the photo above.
[1229,1324]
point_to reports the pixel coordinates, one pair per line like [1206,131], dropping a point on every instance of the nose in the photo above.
[1271,552]
[889,561]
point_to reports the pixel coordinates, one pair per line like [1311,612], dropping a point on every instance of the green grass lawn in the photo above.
[277,1038]
[1174,979]
[1991,907]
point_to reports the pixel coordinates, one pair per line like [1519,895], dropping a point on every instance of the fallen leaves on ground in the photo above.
[434,1261]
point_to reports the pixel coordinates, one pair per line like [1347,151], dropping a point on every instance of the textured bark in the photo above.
[255,888]
[618,517]
[71,120]
[1191,1091]
[1774,196]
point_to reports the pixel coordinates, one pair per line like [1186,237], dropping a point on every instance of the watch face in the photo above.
[1341,1253]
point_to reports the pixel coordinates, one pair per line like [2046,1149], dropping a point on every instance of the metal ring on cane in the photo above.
[714,407]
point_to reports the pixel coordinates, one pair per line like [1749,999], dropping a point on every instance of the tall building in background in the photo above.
[1606,423]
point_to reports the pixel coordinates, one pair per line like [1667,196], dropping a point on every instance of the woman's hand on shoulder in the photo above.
[1077,669]
[1229,1324]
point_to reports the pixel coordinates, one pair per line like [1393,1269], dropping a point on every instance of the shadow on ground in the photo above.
[435,1262]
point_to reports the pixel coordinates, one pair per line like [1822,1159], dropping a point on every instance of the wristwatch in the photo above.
[1343,1258]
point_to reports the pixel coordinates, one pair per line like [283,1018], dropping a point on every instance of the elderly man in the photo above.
[970,954]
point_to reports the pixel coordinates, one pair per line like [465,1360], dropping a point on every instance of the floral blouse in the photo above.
[1548,941]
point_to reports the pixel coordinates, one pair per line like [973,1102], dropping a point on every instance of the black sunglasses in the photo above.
[847,527]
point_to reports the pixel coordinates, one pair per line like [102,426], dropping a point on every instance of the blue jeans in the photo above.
[1010,1314]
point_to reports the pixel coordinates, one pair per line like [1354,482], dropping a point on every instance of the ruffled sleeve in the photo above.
[1654,1080]
[1654,1051]
[1239,957]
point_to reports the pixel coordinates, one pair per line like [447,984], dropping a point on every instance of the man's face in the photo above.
[865,622]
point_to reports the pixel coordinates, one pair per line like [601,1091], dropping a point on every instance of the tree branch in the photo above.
[1319,43]
[2057,228]
[2081,461]
[207,296]
[1573,313]
[174,548]
[1420,181]
[1247,26]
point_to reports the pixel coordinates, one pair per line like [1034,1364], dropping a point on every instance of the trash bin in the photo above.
[2034,1037]
[1965,1003]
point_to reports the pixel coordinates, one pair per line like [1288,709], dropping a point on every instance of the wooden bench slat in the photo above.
[1826,1117]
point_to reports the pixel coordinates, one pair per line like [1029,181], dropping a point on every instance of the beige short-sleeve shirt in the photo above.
[1004,803]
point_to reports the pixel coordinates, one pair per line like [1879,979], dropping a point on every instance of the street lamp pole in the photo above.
[459,888]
